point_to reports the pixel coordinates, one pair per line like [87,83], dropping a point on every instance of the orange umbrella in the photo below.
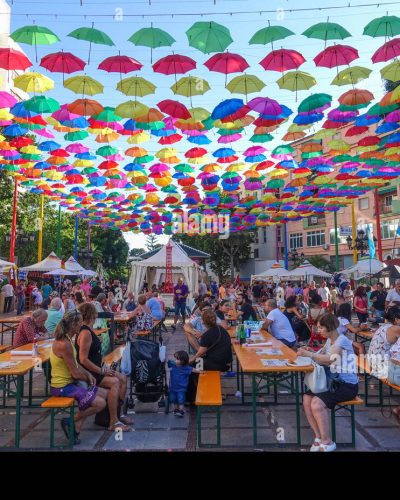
[85,107]
[355,97]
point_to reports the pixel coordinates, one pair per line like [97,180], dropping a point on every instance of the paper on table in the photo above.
[22,353]
[8,364]
[274,362]
[258,344]
[270,352]
[256,337]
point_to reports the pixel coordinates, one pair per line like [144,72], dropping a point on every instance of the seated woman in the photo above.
[293,314]
[382,341]
[344,316]
[66,375]
[88,348]
[142,313]
[78,299]
[55,314]
[195,327]
[338,355]
[315,313]
[215,347]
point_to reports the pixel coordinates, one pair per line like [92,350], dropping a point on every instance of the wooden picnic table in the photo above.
[11,323]
[286,376]
[26,364]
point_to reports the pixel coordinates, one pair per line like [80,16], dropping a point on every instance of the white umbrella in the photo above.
[61,272]
[307,269]
[87,272]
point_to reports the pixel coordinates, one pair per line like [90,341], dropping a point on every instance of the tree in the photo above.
[226,255]
[321,263]
[152,243]
[136,252]
[390,86]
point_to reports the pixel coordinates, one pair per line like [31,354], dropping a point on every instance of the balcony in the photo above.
[387,210]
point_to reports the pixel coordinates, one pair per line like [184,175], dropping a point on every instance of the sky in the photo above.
[115,18]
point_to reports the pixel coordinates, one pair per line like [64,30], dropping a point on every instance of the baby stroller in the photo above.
[148,378]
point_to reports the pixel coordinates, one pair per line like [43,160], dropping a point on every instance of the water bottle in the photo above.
[35,346]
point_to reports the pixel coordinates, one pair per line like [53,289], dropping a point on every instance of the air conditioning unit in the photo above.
[326,246]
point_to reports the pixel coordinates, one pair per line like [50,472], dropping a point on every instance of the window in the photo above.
[256,237]
[264,235]
[341,239]
[256,253]
[363,203]
[279,238]
[389,228]
[295,240]
[388,200]
[315,238]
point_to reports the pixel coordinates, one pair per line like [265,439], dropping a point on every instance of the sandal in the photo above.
[126,420]
[120,426]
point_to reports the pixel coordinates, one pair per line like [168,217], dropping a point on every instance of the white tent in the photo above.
[60,272]
[4,264]
[365,266]
[50,263]
[73,265]
[275,272]
[152,270]
[307,270]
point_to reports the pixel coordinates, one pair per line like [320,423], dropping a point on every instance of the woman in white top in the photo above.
[344,316]
[382,341]
[338,355]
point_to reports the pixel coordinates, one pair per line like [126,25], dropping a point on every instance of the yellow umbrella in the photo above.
[198,161]
[391,72]
[109,137]
[83,163]
[138,138]
[323,133]
[53,175]
[166,153]
[131,109]
[83,84]
[136,86]
[33,82]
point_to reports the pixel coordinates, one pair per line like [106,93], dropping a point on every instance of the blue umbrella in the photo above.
[199,139]
[224,152]
[363,120]
[386,127]
[225,108]
[15,130]
[307,119]
[85,156]
[255,158]
[20,111]
[163,132]
[49,146]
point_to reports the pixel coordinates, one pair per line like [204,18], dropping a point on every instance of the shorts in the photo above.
[84,396]
[341,393]
[177,397]
[180,308]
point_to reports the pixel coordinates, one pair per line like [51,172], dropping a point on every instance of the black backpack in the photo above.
[145,361]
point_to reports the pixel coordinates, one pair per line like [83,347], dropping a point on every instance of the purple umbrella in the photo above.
[265,106]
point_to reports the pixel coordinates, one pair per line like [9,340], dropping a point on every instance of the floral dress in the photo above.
[378,352]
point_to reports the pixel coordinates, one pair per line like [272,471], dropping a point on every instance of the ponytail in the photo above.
[64,326]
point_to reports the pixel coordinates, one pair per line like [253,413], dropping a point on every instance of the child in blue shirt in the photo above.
[179,380]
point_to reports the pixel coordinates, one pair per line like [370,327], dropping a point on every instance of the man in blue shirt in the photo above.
[155,306]
[46,291]
[180,295]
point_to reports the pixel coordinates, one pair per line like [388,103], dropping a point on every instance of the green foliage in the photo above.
[390,86]
[152,243]
[135,252]
[222,251]
[321,263]
[108,246]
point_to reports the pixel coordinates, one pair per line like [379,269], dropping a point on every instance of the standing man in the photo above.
[180,295]
[222,292]
[378,298]
[20,297]
[325,294]
[202,289]
[8,291]
[46,291]
[280,295]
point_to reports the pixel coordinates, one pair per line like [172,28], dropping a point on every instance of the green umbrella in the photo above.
[383,26]
[245,84]
[261,138]
[106,151]
[76,136]
[351,75]
[270,34]
[42,104]
[107,115]
[136,85]
[153,38]
[326,31]
[314,101]
[296,80]
[91,35]
[34,35]
[209,37]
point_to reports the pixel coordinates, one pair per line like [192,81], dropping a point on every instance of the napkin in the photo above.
[22,353]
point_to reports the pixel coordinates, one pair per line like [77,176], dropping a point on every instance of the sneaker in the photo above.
[179,413]
[327,447]
[316,445]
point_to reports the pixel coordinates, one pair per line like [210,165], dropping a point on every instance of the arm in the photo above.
[199,354]
[321,359]
[84,342]
[189,329]
[266,324]
[65,349]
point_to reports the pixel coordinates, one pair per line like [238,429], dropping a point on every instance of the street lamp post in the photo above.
[295,258]
[361,242]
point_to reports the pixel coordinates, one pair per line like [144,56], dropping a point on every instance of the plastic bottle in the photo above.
[35,346]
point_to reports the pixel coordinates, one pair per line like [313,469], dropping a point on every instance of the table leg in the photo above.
[298,423]
[254,404]
[20,384]
[30,388]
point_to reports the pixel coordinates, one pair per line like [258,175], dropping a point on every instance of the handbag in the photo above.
[126,363]
[316,380]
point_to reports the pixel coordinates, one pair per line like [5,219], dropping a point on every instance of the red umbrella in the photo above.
[13,59]
[170,139]
[226,62]
[356,130]
[120,64]
[282,60]
[389,50]
[195,153]
[371,140]
[62,62]
[336,55]
[174,109]
[21,141]
[174,65]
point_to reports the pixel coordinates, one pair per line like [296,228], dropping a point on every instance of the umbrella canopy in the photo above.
[189,86]
[152,38]
[389,50]
[85,107]
[91,35]
[365,266]
[34,35]
[326,31]
[174,64]
[120,64]
[391,72]
[62,62]
[83,84]
[307,269]
[209,37]
[270,34]
[174,109]
[136,86]
[33,82]
[245,84]
[296,80]
[282,60]
[336,55]
[351,76]
[13,59]
[387,26]
[276,271]
[60,272]
[5,264]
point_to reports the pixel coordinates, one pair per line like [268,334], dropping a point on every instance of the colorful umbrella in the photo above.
[62,62]
[34,35]
[174,109]
[391,72]
[11,59]
[42,104]
[84,85]
[33,82]
[226,62]
[296,80]
[209,37]
[326,31]
[174,64]
[389,50]
[153,38]
[136,86]
[281,60]
[7,100]
[120,64]
[189,86]
[85,107]
[245,84]
[387,26]
[91,35]
[351,76]
[336,55]
[270,34]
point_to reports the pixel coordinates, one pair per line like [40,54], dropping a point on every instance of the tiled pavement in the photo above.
[154,430]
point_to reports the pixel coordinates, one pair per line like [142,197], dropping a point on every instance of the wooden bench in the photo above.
[349,406]
[209,394]
[57,405]
[365,369]
[114,356]
[4,347]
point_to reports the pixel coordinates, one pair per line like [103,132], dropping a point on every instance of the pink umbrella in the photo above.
[226,62]
[63,114]
[265,106]
[116,157]
[389,50]
[394,116]
[226,139]
[77,148]
[44,133]
[7,100]
[336,55]
[174,65]
[149,188]
[174,109]
[62,62]
[282,60]
[254,151]
[159,167]
[120,64]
